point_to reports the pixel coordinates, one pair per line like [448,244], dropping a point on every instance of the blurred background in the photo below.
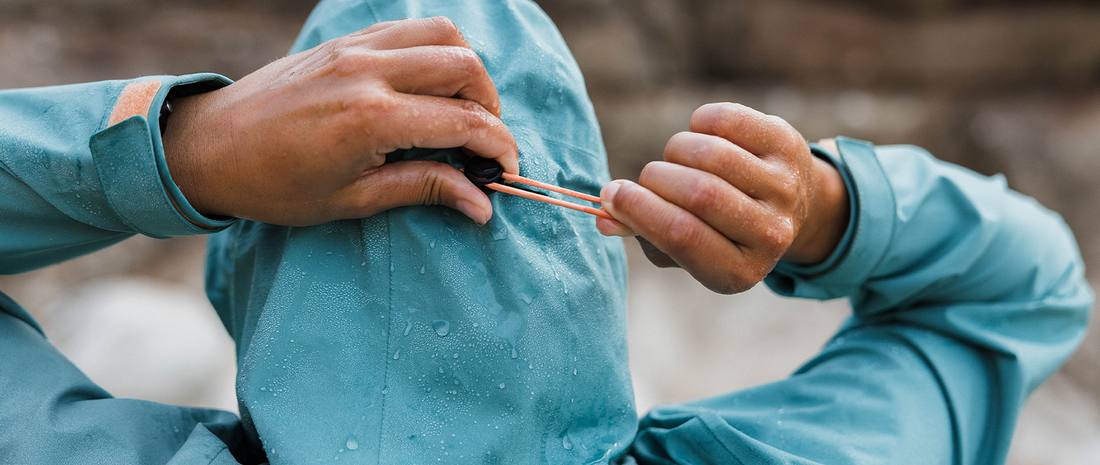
[999,86]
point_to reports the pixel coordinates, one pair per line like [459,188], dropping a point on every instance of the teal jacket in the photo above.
[414,336]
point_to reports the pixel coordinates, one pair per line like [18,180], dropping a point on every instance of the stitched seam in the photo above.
[389,338]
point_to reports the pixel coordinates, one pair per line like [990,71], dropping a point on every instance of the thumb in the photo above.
[418,182]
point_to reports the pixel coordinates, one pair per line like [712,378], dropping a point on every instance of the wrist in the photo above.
[189,151]
[826,219]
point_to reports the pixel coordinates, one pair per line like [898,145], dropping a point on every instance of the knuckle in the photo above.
[777,238]
[443,26]
[743,278]
[431,191]
[682,236]
[367,109]
[720,155]
[473,116]
[347,61]
[374,102]
[734,278]
[786,184]
[708,195]
[466,61]
[731,112]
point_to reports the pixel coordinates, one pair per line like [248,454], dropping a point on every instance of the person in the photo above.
[413,335]
[442,341]
[85,166]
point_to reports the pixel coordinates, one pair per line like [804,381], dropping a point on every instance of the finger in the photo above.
[405,33]
[402,121]
[442,72]
[763,135]
[612,227]
[721,206]
[655,256]
[414,182]
[722,158]
[710,257]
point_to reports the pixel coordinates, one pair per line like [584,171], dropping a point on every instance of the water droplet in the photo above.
[566,443]
[421,270]
[408,325]
[363,264]
[391,267]
[475,325]
[514,353]
[397,355]
[352,443]
[442,328]
[502,385]
[263,388]
[431,244]
[574,372]
[456,354]
[441,369]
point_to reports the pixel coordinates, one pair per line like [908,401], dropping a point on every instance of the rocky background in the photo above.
[999,86]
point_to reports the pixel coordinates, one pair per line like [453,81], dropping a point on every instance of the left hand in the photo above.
[733,196]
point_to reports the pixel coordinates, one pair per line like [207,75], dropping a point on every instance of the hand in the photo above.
[733,196]
[303,140]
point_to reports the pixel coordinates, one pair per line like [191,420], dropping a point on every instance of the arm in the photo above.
[82,168]
[299,142]
[966,296]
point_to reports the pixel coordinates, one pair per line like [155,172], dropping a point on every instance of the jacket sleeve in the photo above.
[966,296]
[82,167]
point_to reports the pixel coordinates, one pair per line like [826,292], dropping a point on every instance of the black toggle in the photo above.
[482,171]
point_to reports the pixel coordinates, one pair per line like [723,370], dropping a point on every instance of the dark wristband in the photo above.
[165,111]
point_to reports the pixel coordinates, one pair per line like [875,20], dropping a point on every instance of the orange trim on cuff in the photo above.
[134,100]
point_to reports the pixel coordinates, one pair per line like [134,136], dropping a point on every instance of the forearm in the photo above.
[982,283]
[83,168]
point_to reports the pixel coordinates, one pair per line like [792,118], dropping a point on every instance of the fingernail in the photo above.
[472,210]
[607,195]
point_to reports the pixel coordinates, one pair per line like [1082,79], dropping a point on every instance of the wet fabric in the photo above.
[415,336]
[375,341]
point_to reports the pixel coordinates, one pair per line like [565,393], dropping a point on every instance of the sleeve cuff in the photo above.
[129,158]
[870,227]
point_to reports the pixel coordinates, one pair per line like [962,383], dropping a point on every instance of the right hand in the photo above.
[303,140]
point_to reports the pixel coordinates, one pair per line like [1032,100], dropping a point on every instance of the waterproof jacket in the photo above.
[415,336]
